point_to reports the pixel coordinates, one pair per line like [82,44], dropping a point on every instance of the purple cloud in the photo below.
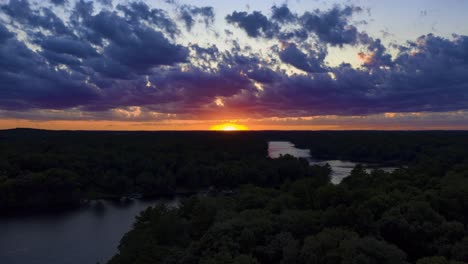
[132,56]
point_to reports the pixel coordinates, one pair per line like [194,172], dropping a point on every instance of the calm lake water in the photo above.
[82,236]
[340,168]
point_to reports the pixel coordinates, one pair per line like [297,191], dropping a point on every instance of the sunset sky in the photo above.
[192,65]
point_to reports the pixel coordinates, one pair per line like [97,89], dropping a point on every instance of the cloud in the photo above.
[66,71]
[255,24]
[135,12]
[377,55]
[158,50]
[132,45]
[105,2]
[4,33]
[188,14]
[307,62]
[134,57]
[28,81]
[332,26]
[20,11]
[282,14]
[67,45]
[59,2]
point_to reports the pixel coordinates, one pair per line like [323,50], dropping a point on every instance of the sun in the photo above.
[229,127]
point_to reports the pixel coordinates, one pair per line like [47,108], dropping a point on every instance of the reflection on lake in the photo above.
[340,168]
[81,236]
[278,148]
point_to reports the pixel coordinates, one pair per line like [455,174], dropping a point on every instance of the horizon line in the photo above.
[239,131]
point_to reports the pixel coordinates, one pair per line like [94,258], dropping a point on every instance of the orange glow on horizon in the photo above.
[229,127]
[388,121]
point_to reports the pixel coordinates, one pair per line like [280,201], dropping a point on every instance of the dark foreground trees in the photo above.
[389,218]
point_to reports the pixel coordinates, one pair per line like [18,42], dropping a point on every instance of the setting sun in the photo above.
[229,127]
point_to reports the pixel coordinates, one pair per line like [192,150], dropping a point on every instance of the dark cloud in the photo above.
[196,85]
[105,2]
[292,55]
[110,26]
[138,11]
[4,34]
[377,55]
[28,81]
[109,68]
[20,11]
[58,58]
[82,10]
[95,59]
[263,75]
[157,50]
[428,76]
[254,24]
[66,73]
[333,25]
[132,46]
[59,2]
[282,14]
[68,45]
[189,13]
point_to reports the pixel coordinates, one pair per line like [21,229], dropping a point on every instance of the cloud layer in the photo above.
[102,59]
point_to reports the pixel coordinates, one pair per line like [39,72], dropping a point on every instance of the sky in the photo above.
[265,65]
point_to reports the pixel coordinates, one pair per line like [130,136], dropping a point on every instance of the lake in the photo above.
[340,168]
[84,235]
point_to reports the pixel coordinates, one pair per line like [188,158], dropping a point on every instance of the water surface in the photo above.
[278,148]
[340,168]
[81,236]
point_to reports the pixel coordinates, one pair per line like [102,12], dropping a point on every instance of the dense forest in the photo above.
[59,168]
[280,211]
[417,214]
[402,217]
[62,168]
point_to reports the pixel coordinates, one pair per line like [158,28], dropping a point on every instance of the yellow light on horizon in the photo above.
[229,127]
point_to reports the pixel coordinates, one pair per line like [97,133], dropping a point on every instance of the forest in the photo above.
[61,169]
[279,211]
